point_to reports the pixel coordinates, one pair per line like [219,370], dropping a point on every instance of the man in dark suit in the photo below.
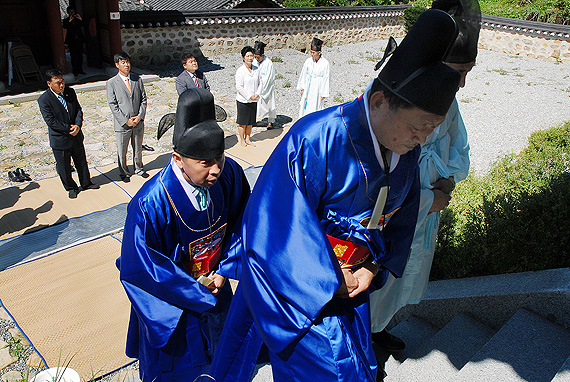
[63,115]
[127,100]
[190,77]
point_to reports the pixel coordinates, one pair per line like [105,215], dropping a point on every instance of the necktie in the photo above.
[128,85]
[196,81]
[63,102]
[202,198]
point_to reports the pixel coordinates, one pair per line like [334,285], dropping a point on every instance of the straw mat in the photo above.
[72,305]
[265,142]
[38,204]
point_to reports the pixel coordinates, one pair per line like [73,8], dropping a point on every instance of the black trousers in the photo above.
[76,55]
[63,167]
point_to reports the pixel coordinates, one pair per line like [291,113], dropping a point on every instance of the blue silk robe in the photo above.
[175,321]
[323,178]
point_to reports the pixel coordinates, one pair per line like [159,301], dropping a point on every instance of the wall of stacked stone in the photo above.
[159,45]
[529,46]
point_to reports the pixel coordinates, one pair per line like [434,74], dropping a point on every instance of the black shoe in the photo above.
[125,178]
[25,177]
[73,193]
[274,126]
[144,174]
[147,148]
[13,177]
[388,341]
[92,186]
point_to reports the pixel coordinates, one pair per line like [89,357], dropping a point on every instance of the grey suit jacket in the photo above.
[124,104]
[184,81]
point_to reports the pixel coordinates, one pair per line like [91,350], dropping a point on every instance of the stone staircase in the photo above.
[504,328]
[527,347]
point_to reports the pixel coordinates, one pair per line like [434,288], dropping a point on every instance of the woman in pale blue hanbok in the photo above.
[445,155]
[444,160]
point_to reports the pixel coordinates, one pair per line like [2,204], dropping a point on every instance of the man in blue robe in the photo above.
[335,204]
[178,248]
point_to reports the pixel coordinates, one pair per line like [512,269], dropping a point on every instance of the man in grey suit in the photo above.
[127,100]
[190,77]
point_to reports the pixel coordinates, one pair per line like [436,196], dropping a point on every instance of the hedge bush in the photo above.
[515,218]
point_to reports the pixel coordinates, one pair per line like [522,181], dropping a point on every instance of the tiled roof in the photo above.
[193,5]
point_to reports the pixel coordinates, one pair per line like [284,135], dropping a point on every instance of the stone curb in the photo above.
[91,86]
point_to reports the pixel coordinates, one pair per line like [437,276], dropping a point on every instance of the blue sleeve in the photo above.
[399,232]
[159,290]
[236,187]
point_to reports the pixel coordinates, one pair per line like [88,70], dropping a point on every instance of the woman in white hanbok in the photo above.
[314,81]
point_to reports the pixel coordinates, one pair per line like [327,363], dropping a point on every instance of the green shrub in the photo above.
[411,15]
[515,218]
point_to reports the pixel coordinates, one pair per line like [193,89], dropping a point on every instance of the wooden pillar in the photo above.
[114,28]
[56,35]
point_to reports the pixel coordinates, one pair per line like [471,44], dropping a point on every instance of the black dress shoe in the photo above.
[13,177]
[125,178]
[25,177]
[388,341]
[92,186]
[147,148]
[73,193]
[144,174]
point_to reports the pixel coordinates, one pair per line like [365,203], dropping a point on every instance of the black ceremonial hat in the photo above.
[316,44]
[259,47]
[415,71]
[197,135]
[467,16]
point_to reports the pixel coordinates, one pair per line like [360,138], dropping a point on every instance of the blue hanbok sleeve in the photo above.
[458,164]
[290,272]
[236,187]
[399,232]
[159,290]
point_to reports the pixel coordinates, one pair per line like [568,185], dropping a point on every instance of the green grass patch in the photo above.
[515,218]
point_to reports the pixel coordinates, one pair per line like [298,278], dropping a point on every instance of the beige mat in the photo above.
[45,202]
[29,207]
[265,143]
[72,302]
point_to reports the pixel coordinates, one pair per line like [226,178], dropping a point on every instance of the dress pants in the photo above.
[135,136]
[63,167]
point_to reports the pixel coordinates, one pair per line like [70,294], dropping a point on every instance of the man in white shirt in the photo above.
[266,102]
[127,100]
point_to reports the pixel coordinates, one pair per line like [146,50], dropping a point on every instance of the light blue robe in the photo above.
[445,154]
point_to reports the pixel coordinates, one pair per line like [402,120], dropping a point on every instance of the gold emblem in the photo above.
[339,250]
[196,267]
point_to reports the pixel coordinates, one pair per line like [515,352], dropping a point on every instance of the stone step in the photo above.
[441,357]
[563,374]
[527,348]
[414,332]
[263,373]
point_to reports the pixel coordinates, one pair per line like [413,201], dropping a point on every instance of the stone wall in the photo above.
[530,46]
[158,45]
[156,42]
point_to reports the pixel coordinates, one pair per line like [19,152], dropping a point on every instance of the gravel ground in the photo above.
[506,98]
